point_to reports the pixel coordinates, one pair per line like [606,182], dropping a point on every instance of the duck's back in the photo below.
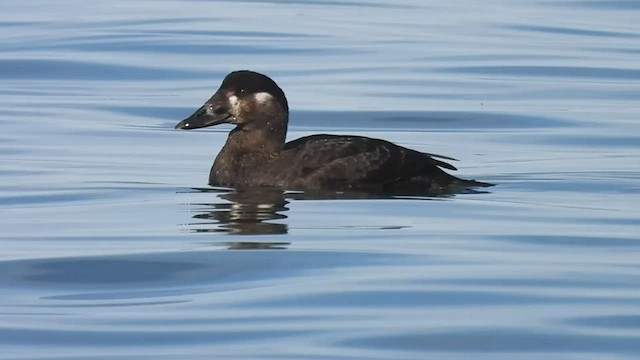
[360,163]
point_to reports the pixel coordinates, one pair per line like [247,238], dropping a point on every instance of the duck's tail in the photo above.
[469,183]
[463,186]
[438,184]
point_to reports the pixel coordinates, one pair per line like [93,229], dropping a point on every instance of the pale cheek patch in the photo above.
[233,101]
[263,97]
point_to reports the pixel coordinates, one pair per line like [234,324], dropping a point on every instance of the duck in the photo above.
[256,153]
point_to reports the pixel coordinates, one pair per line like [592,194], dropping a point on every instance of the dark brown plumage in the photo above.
[256,154]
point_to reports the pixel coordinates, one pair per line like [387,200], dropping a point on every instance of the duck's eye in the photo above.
[242,91]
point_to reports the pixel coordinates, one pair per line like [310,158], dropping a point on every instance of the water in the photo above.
[113,247]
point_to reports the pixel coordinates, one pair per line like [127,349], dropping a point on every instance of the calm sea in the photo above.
[113,246]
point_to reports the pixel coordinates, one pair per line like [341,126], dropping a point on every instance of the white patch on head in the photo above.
[233,100]
[263,97]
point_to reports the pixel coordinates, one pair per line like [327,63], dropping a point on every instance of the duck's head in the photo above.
[248,99]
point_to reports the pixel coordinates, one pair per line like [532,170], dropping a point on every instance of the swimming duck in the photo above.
[256,154]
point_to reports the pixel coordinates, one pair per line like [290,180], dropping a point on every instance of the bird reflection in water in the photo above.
[260,211]
[250,212]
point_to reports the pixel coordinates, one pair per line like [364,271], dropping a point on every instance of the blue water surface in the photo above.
[114,247]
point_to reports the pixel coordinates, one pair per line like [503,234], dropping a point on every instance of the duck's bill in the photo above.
[203,117]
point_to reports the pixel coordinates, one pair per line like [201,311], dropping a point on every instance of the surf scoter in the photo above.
[256,155]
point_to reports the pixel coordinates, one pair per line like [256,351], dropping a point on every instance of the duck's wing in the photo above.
[336,159]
